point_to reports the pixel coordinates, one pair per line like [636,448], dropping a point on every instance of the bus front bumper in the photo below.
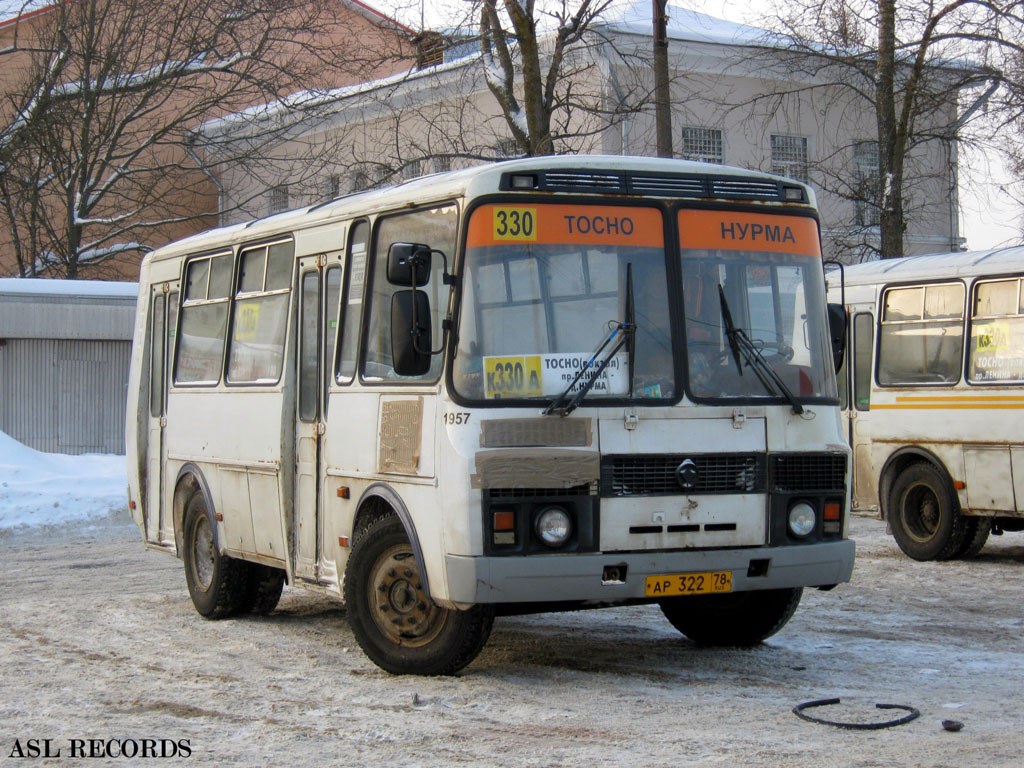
[580,577]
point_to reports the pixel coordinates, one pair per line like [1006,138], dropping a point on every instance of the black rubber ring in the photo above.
[912,714]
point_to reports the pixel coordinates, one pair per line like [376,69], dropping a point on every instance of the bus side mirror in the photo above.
[409,264]
[837,333]
[410,332]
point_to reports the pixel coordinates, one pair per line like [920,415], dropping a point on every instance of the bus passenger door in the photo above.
[865,475]
[163,318]
[319,292]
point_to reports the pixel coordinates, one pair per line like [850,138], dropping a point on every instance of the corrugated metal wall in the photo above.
[64,395]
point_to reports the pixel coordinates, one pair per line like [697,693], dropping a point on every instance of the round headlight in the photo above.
[553,526]
[801,519]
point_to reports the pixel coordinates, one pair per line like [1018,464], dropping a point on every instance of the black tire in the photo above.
[924,514]
[393,619]
[976,533]
[264,585]
[217,584]
[736,619]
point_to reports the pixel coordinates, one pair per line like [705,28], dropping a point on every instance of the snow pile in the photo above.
[53,489]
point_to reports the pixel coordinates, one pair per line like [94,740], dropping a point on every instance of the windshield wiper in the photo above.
[741,345]
[563,405]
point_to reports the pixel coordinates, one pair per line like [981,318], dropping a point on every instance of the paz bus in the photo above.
[541,384]
[933,394]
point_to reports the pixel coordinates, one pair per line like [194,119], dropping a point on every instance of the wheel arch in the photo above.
[897,462]
[380,499]
[189,480]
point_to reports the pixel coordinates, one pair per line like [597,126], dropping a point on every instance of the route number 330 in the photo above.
[515,224]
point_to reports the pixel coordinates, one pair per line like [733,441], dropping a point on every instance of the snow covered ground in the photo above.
[38,489]
[99,641]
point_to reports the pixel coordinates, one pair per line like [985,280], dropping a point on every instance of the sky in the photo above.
[54,489]
[989,216]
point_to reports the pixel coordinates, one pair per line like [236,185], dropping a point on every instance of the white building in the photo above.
[739,97]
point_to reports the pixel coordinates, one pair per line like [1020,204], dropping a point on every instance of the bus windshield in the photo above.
[763,275]
[545,286]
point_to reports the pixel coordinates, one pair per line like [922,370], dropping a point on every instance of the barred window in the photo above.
[702,144]
[789,157]
[865,164]
[332,186]
[412,169]
[506,148]
[277,199]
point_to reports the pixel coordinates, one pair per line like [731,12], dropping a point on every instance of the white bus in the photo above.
[537,385]
[934,396]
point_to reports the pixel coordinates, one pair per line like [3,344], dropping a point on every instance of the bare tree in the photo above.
[95,142]
[924,69]
[525,49]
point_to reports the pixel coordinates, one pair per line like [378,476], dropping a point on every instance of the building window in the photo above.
[703,145]
[277,199]
[865,168]
[506,148]
[412,169]
[441,164]
[332,186]
[789,157]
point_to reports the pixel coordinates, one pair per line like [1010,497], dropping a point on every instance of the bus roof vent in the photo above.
[746,189]
[669,186]
[677,185]
[584,181]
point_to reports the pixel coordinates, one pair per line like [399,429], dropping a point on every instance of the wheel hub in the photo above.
[923,518]
[401,608]
[202,554]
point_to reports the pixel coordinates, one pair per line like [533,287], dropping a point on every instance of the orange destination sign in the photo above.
[735,231]
[544,224]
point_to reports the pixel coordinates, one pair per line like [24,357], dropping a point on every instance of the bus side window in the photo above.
[921,339]
[204,316]
[995,353]
[352,302]
[260,314]
[863,335]
[157,355]
[435,227]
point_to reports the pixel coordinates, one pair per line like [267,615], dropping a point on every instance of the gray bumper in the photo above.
[549,578]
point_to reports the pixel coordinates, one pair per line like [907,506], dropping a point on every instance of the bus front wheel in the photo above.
[737,619]
[394,620]
[924,514]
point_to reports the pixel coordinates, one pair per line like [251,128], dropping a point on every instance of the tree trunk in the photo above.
[662,96]
[890,161]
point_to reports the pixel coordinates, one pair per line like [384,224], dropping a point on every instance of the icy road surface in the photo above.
[98,640]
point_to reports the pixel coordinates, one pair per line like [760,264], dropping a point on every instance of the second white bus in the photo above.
[934,396]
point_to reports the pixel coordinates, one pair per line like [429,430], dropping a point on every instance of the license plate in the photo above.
[676,584]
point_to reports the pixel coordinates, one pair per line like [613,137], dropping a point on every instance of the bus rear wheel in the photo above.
[737,619]
[924,514]
[976,533]
[394,620]
[218,585]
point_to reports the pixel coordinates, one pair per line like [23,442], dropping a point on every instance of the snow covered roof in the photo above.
[42,287]
[67,309]
[683,24]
